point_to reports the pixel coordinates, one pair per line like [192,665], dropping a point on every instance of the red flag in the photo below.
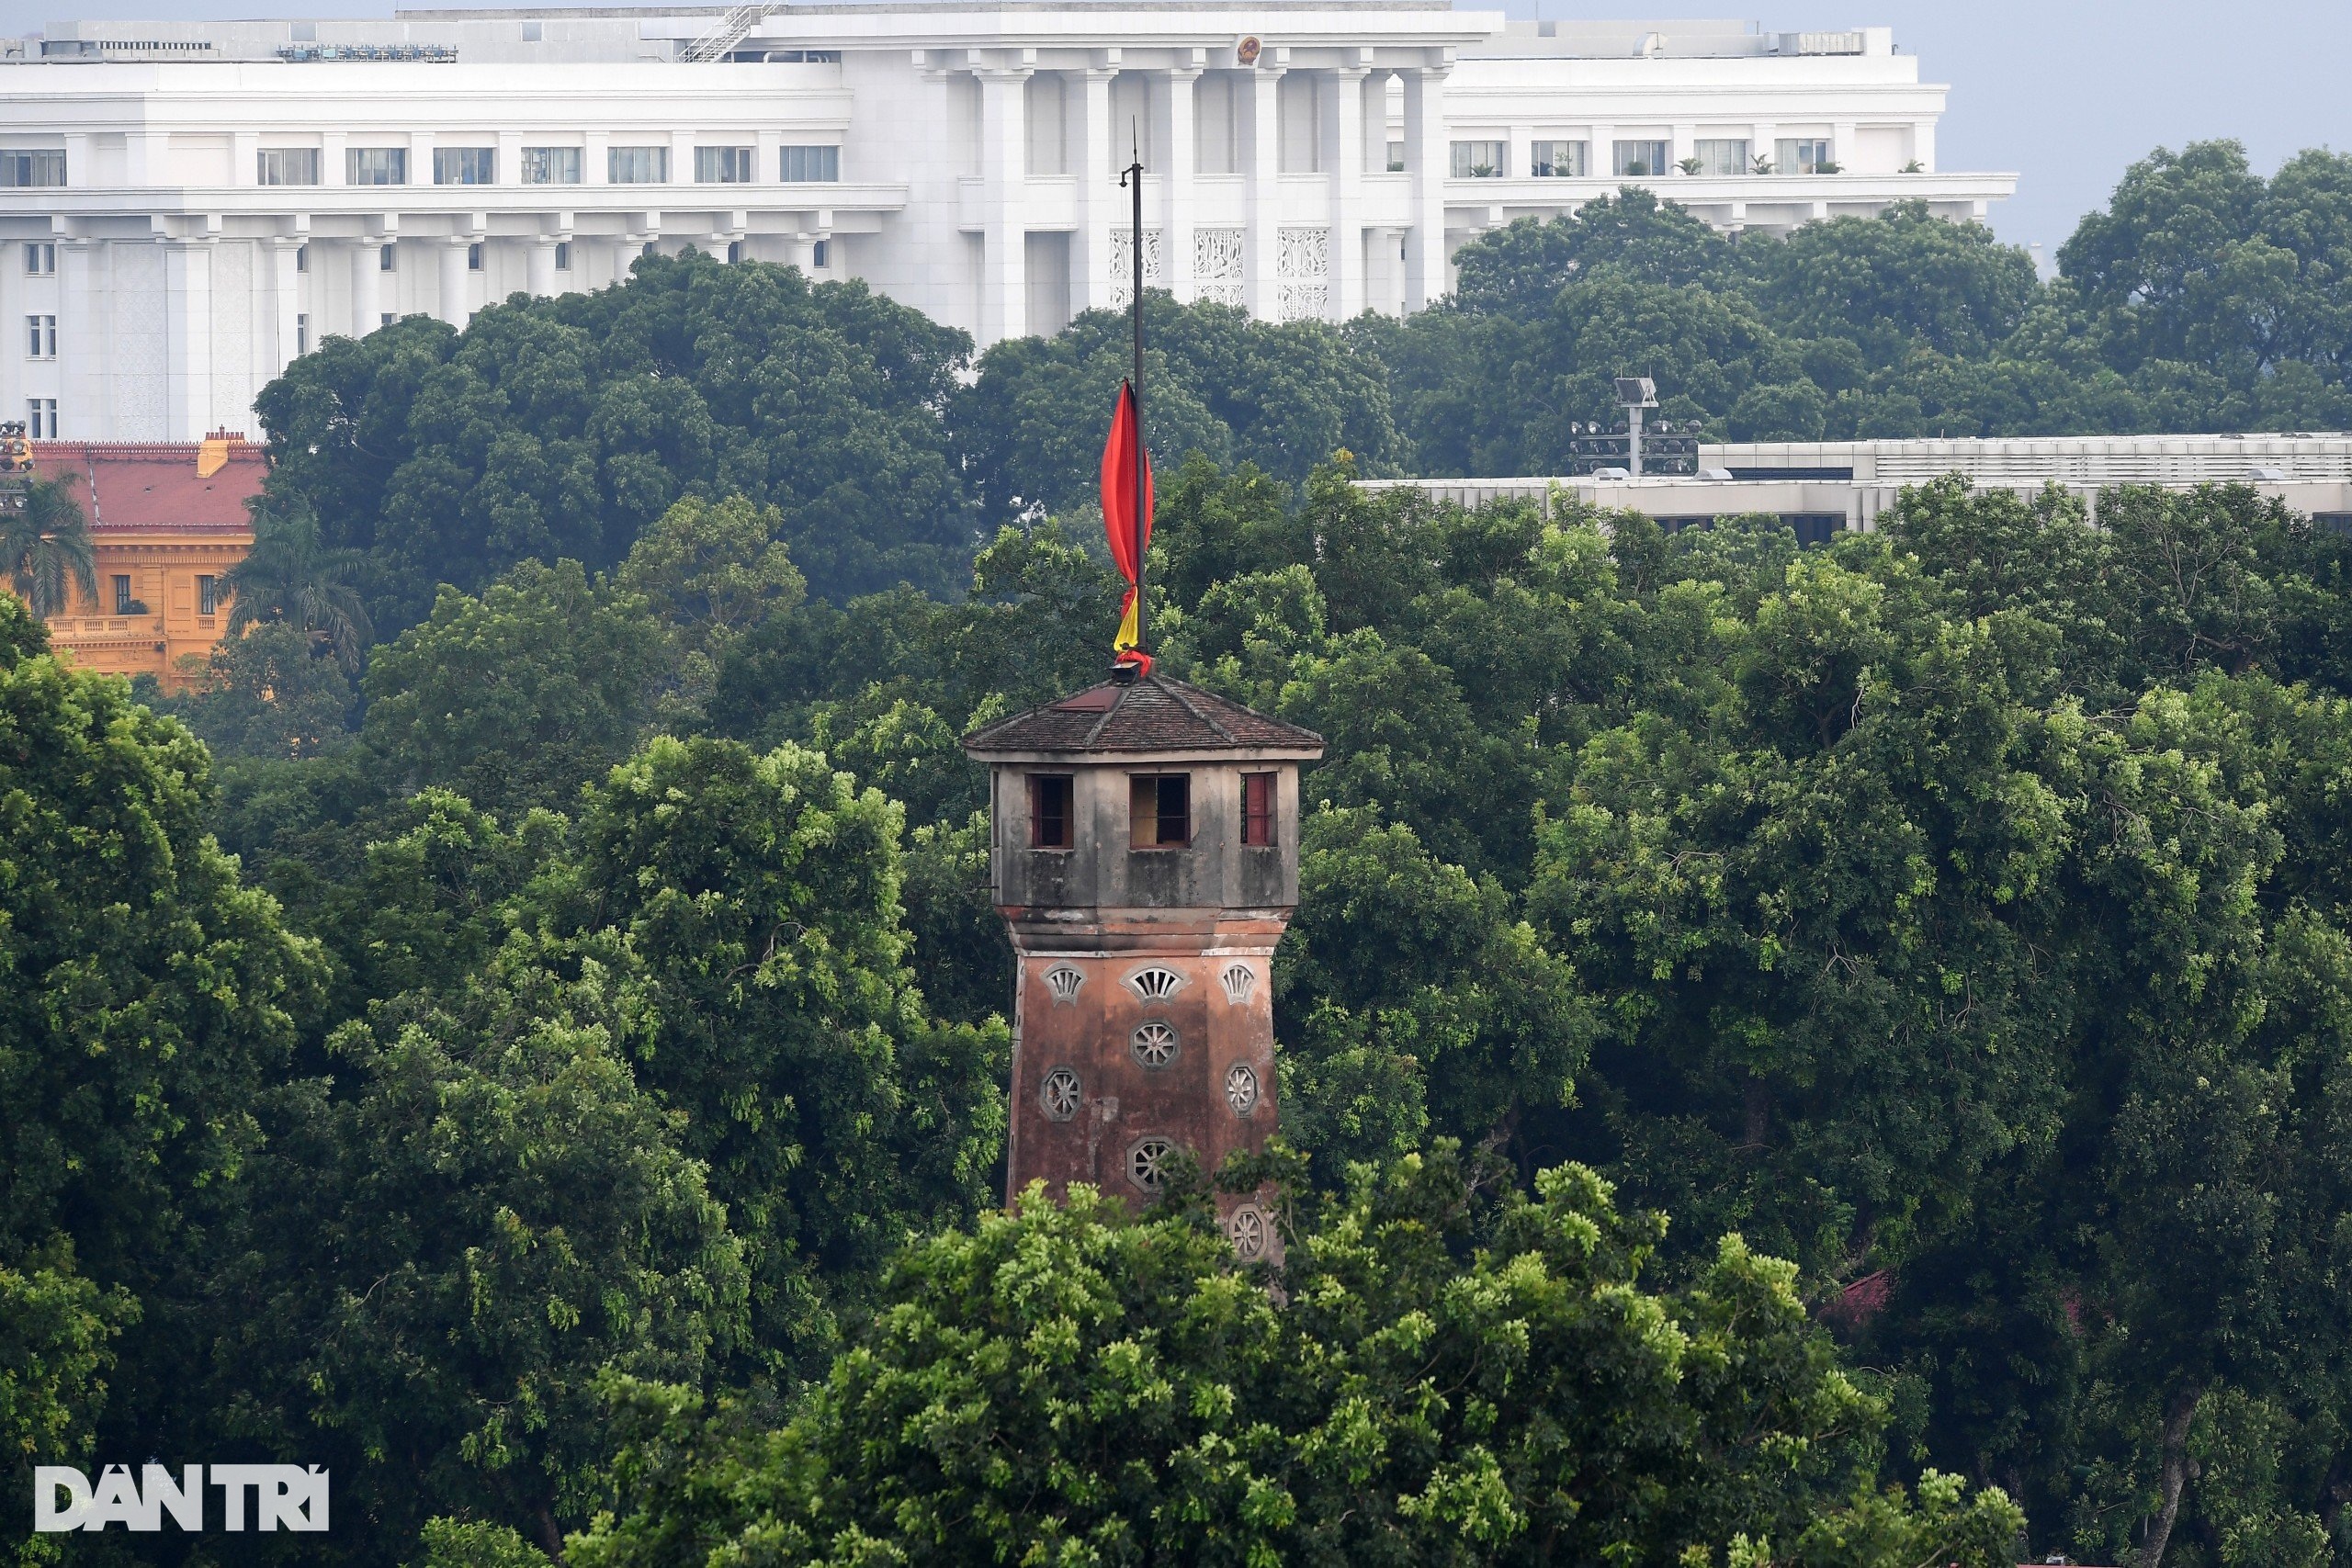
[1121,454]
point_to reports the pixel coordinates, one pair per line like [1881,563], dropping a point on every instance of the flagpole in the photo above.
[1134,178]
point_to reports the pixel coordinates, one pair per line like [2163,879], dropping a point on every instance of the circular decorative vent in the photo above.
[1241,1089]
[1154,1043]
[1247,1229]
[1155,984]
[1147,1163]
[1062,982]
[1060,1094]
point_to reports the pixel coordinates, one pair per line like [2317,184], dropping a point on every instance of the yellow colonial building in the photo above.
[169,520]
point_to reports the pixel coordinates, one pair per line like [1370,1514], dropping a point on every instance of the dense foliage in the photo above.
[1826,1057]
[2203,297]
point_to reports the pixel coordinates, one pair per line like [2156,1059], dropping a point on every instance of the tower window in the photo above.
[207,596]
[1159,811]
[122,599]
[1049,811]
[1258,810]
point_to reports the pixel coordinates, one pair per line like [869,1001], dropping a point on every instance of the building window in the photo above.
[41,334]
[564,255]
[637,165]
[1814,529]
[301,334]
[207,596]
[122,599]
[1050,810]
[41,418]
[375,165]
[388,257]
[2332,522]
[302,258]
[473,256]
[809,165]
[819,254]
[734,251]
[723,166]
[1258,810]
[465,165]
[550,165]
[1804,156]
[384,319]
[1477,159]
[17,169]
[1721,157]
[41,259]
[1641,160]
[287,166]
[1159,811]
[1395,157]
[1556,160]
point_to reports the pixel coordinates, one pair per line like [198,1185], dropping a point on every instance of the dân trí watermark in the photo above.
[285,1497]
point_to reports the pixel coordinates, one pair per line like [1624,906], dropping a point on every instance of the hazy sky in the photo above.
[2066,94]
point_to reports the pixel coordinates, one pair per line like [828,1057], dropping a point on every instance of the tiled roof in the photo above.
[1155,714]
[150,485]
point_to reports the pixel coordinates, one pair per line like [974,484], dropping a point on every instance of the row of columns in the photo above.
[1104,207]
[173,341]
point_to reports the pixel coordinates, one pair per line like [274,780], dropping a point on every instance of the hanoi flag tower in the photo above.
[1145,854]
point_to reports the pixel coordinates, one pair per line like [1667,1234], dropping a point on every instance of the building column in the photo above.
[1004,162]
[1344,155]
[1098,195]
[1180,167]
[83,343]
[539,268]
[1425,157]
[451,300]
[366,280]
[284,297]
[1262,292]
[188,351]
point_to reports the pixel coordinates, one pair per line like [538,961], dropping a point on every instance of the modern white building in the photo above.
[1821,487]
[185,207]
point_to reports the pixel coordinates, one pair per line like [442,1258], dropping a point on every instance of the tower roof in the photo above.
[1156,716]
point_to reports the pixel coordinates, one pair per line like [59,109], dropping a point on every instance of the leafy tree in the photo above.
[712,571]
[57,1330]
[46,548]
[1284,396]
[564,427]
[519,697]
[760,896]
[267,693]
[1886,283]
[444,1257]
[1410,1001]
[1520,270]
[291,576]
[1445,1376]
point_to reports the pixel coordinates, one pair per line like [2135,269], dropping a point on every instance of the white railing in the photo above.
[732,29]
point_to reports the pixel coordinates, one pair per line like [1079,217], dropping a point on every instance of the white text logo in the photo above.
[285,1497]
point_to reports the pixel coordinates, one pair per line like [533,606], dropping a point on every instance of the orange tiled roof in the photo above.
[149,485]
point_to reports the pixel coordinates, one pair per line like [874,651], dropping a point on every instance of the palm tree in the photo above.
[44,543]
[291,575]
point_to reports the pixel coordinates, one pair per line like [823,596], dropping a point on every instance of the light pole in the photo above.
[1634,393]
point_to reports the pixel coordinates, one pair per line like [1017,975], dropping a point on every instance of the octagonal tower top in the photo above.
[1155,796]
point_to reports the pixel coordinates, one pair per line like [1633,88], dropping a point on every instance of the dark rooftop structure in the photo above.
[1156,714]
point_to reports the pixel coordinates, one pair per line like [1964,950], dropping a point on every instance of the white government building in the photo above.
[185,207]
